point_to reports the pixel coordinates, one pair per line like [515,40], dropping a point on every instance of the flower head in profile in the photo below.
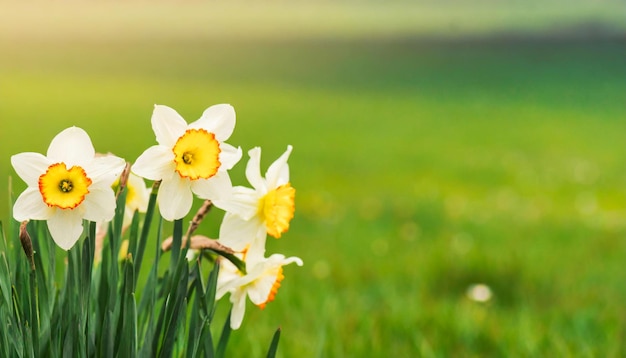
[66,185]
[189,158]
[260,283]
[266,208]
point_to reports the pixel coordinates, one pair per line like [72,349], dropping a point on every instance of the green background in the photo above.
[436,145]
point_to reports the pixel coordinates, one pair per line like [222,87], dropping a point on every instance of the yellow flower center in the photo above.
[276,209]
[274,289]
[196,154]
[64,188]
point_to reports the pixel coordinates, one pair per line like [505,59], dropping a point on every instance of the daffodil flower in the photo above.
[67,185]
[267,208]
[260,283]
[189,158]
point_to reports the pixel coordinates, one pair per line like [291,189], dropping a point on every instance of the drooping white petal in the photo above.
[30,166]
[30,205]
[174,198]
[105,169]
[238,234]
[253,170]
[217,187]
[238,298]
[229,156]
[99,204]
[280,259]
[243,202]
[65,226]
[219,120]
[72,146]
[167,125]
[278,172]
[155,163]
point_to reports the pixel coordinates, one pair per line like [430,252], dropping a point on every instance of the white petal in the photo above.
[238,298]
[278,172]
[99,204]
[72,147]
[105,169]
[219,120]
[253,170]
[218,187]
[229,156]
[156,163]
[237,233]
[65,226]
[167,125]
[30,166]
[260,290]
[174,198]
[30,205]
[243,202]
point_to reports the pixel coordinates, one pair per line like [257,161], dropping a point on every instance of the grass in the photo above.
[422,167]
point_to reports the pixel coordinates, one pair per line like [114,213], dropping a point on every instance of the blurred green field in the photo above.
[424,163]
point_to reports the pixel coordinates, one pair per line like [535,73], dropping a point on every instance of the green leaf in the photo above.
[174,307]
[211,290]
[177,238]
[34,312]
[145,230]
[127,323]
[271,353]
[194,326]
[221,345]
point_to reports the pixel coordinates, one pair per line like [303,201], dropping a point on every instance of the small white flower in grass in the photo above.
[67,185]
[268,208]
[479,293]
[260,284]
[189,158]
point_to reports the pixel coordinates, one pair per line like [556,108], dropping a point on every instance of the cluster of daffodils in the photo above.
[71,183]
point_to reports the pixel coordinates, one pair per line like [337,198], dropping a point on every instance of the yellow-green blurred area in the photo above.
[437,145]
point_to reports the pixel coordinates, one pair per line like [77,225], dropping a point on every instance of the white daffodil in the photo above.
[268,208]
[260,284]
[67,185]
[189,158]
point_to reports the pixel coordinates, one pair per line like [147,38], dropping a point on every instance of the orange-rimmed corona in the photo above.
[64,188]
